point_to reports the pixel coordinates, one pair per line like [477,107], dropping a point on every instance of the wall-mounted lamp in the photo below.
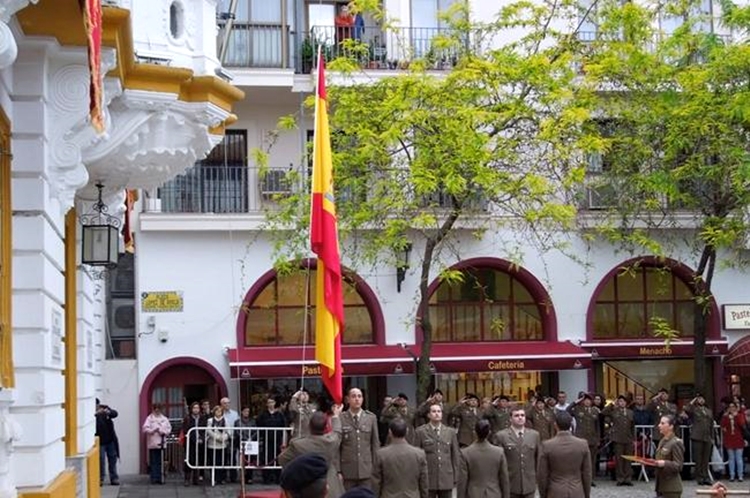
[402,264]
[101,235]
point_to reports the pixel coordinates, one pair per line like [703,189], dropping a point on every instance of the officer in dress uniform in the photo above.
[399,409]
[502,405]
[300,410]
[587,426]
[464,417]
[359,442]
[440,445]
[401,469]
[621,421]
[669,459]
[521,445]
[541,419]
[702,437]
[659,407]
[563,470]
[484,471]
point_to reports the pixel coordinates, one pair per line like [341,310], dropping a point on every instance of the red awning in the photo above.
[654,348]
[737,360]
[262,362]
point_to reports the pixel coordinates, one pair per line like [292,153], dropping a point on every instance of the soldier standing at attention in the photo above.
[702,435]
[502,405]
[622,425]
[541,419]
[401,469]
[564,463]
[484,471]
[440,446]
[587,427]
[399,409]
[521,446]
[669,459]
[423,410]
[464,417]
[359,442]
[301,411]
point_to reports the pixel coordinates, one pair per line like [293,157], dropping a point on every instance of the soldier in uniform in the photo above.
[301,411]
[587,426]
[541,419]
[440,445]
[401,410]
[702,436]
[669,459]
[521,446]
[305,476]
[423,410]
[323,444]
[564,463]
[464,417]
[401,469]
[359,442]
[502,405]
[659,407]
[622,424]
[484,471]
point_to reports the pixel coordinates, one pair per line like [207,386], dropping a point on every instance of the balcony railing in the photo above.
[224,189]
[376,49]
[259,45]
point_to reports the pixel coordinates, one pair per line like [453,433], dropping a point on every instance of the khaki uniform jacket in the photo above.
[672,451]
[702,428]
[621,422]
[326,445]
[443,455]
[564,467]
[464,419]
[658,409]
[300,417]
[406,413]
[359,444]
[422,415]
[521,457]
[400,472]
[587,422]
[483,472]
[541,421]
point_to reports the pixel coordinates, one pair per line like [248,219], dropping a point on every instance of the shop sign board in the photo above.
[736,316]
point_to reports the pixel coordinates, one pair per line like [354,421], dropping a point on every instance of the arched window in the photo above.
[491,303]
[275,316]
[632,297]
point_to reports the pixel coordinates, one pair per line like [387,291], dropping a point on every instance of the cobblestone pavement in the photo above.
[138,486]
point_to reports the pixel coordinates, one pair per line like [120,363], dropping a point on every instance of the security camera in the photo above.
[163,336]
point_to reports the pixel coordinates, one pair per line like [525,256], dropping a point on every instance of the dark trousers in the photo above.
[216,459]
[109,451]
[439,493]
[594,453]
[702,455]
[526,495]
[623,468]
[154,464]
[355,483]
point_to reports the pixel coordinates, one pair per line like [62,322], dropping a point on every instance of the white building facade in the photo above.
[161,115]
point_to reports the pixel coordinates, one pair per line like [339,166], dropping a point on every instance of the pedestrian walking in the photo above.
[359,443]
[669,459]
[521,447]
[401,469]
[564,469]
[318,442]
[440,445]
[483,471]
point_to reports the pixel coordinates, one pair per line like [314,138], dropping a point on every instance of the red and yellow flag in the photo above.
[324,239]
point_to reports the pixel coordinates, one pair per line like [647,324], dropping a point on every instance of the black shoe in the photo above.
[115,483]
[620,484]
[627,483]
[593,484]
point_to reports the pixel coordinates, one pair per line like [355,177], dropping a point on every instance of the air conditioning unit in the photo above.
[274,183]
[122,318]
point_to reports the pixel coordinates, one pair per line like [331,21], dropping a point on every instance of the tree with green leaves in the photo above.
[426,159]
[674,143]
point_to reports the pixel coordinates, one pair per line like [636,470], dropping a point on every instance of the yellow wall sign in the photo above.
[161,302]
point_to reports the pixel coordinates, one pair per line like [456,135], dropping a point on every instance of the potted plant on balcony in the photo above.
[307,52]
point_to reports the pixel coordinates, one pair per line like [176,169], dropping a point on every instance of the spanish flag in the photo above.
[324,240]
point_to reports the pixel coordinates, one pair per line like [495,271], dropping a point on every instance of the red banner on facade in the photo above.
[92,18]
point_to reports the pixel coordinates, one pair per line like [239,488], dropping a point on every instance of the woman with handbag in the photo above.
[733,426]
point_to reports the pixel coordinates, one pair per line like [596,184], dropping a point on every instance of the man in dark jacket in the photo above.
[108,444]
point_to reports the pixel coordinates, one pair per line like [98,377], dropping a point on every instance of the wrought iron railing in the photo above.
[252,44]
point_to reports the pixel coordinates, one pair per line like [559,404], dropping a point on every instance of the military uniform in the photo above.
[394,412]
[498,418]
[622,423]
[483,472]
[359,446]
[326,445]
[702,436]
[542,421]
[442,451]
[563,470]
[658,409]
[423,412]
[301,414]
[587,428]
[464,420]
[521,455]
[400,472]
[668,482]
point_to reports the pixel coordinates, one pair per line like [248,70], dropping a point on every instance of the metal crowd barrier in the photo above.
[219,450]
[645,446]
